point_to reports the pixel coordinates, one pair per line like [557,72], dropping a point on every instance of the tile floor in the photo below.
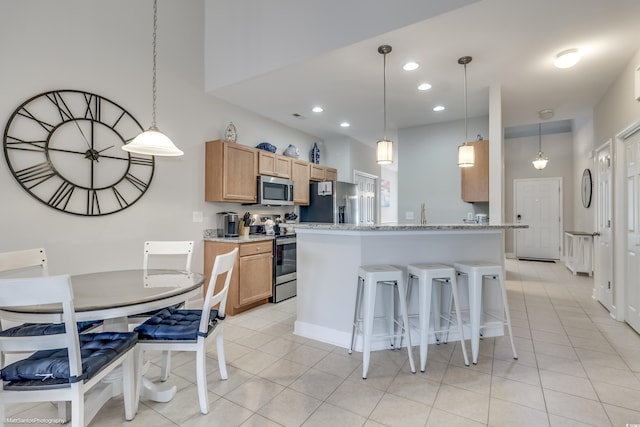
[576,367]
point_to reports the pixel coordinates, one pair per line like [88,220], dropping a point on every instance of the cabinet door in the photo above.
[316,172]
[266,163]
[283,167]
[239,177]
[475,180]
[300,177]
[330,174]
[255,278]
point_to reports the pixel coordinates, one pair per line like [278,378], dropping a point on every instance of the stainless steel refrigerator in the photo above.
[331,202]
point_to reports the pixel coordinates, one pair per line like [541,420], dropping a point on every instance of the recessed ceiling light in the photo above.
[567,58]
[545,114]
[345,124]
[424,86]
[317,109]
[410,66]
[438,108]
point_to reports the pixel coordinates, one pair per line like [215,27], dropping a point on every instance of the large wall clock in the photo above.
[64,148]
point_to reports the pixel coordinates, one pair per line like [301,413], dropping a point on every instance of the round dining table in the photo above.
[113,296]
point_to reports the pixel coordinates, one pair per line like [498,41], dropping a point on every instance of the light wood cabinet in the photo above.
[322,173]
[300,178]
[230,172]
[251,281]
[272,164]
[475,180]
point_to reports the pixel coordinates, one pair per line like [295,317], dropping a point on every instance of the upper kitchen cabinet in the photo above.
[300,178]
[272,164]
[322,173]
[475,180]
[230,172]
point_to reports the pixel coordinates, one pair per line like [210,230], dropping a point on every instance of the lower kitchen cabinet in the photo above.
[251,281]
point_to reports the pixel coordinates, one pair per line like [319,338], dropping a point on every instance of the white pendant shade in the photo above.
[152,143]
[384,152]
[540,162]
[466,156]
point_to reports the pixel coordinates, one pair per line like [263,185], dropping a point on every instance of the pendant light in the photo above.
[466,155]
[384,147]
[541,161]
[152,142]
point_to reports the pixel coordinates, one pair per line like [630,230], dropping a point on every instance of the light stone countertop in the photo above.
[404,227]
[211,235]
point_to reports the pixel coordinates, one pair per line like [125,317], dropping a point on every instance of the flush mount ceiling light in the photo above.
[545,114]
[153,142]
[567,58]
[410,66]
[384,147]
[540,161]
[345,124]
[317,109]
[424,86]
[466,155]
[438,108]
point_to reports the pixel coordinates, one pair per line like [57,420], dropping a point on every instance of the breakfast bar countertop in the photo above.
[404,227]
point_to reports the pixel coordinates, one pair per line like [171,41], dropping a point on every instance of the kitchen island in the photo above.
[329,256]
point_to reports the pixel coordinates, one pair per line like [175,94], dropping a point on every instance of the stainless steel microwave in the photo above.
[274,191]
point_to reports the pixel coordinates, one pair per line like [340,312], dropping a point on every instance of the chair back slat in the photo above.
[168,247]
[18,260]
[54,290]
[222,266]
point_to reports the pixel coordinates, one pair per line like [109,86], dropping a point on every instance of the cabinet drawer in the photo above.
[256,248]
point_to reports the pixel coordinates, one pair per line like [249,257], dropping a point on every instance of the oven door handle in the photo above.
[285,241]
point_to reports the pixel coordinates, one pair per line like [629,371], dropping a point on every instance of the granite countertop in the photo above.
[405,227]
[211,235]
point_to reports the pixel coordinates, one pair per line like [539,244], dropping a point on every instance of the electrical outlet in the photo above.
[198,216]
[408,215]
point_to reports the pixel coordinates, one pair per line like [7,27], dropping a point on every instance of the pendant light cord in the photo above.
[153,81]
[384,93]
[465,105]
[539,137]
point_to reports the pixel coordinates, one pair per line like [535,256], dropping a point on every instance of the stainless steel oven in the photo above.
[284,268]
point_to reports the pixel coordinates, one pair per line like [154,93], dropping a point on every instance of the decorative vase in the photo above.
[314,156]
[292,151]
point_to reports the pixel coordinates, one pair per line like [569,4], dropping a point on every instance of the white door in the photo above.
[603,275]
[538,204]
[632,276]
[366,197]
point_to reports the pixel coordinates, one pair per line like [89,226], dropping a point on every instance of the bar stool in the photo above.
[427,274]
[369,277]
[476,272]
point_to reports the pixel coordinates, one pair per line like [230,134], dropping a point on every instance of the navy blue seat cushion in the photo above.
[51,367]
[35,329]
[174,325]
[153,313]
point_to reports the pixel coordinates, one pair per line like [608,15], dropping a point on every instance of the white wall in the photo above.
[584,219]
[520,152]
[104,47]
[428,171]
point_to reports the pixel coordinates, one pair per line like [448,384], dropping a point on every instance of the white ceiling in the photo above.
[512,42]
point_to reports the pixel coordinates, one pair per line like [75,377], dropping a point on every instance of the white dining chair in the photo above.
[65,365]
[27,263]
[165,254]
[190,330]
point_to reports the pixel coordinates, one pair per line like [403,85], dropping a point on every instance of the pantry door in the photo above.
[538,204]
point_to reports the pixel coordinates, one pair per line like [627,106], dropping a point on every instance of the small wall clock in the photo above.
[64,148]
[587,188]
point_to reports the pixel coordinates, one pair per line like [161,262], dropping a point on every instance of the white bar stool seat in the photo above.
[476,272]
[369,278]
[427,274]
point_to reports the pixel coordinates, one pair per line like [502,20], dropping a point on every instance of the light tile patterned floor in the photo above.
[576,367]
